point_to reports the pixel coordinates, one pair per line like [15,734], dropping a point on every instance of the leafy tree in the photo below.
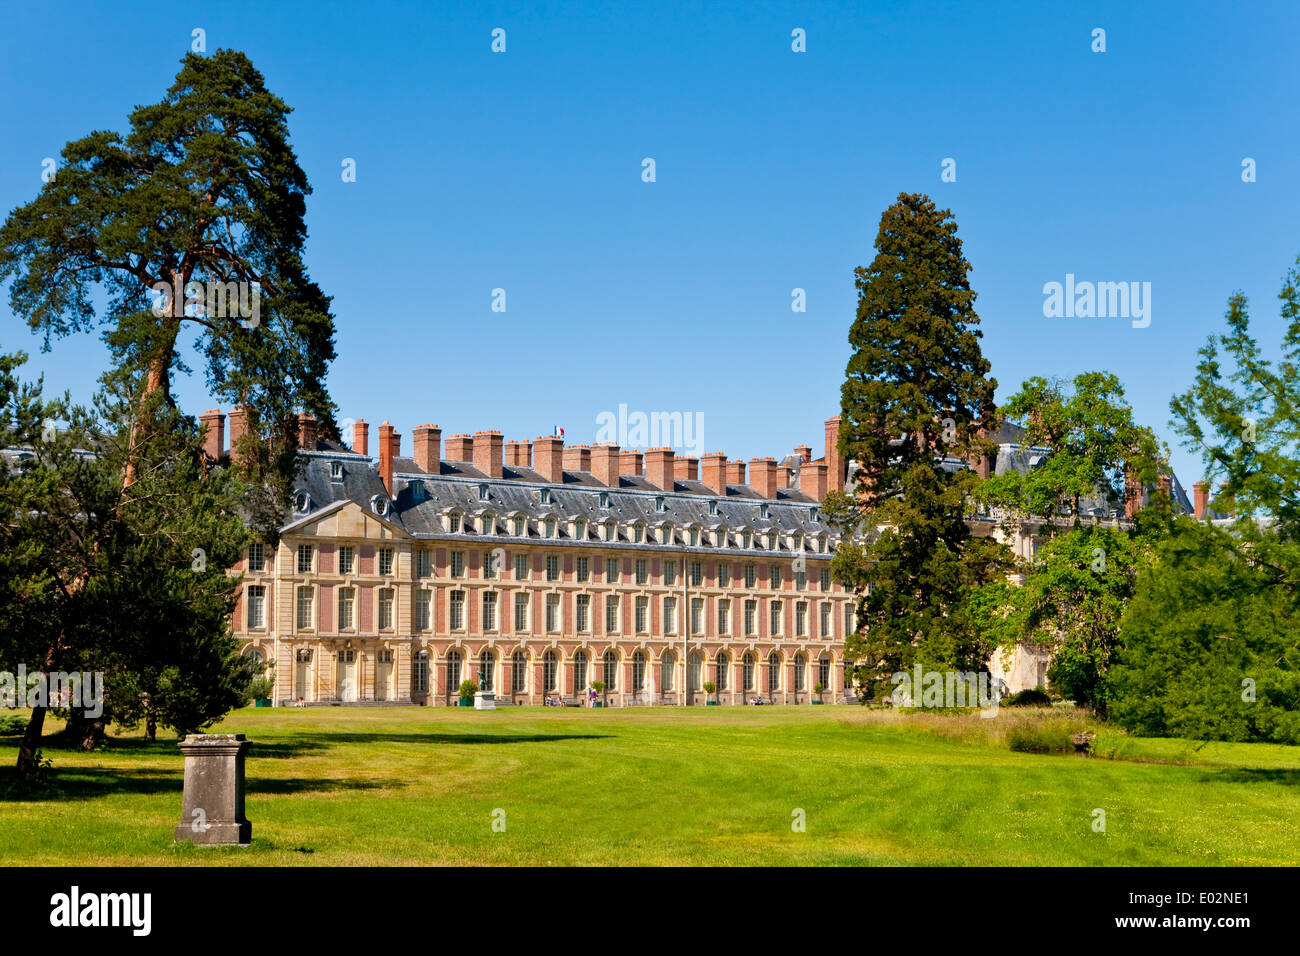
[916,391]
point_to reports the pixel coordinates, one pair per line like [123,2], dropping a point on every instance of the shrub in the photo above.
[12,725]
[468,689]
[261,687]
[1027,698]
[709,687]
[1041,736]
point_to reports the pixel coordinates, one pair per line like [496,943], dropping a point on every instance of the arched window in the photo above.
[724,665]
[667,665]
[773,672]
[824,672]
[549,667]
[579,672]
[453,673]
[800,663]
[487,664]
[610,676]
[518,671]
[693,664]
[748,664]
[420,673]
[638,671]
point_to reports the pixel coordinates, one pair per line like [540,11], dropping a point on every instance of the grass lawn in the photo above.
[714,785]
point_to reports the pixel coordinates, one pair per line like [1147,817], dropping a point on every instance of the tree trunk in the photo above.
[151,722]
[31,743]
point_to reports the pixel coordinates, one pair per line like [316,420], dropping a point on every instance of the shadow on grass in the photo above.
[328,739]
[1288,778]
[81,783]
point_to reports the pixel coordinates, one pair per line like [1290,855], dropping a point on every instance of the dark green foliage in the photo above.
[916,389]
[1031,697]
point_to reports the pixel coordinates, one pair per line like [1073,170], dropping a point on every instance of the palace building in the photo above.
[544,568]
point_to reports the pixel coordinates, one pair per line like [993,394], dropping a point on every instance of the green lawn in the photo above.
[714,785]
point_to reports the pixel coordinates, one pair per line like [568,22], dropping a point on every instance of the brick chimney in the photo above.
[784,476]
[238,427]
[1164,486]
[659,468]
[762,476]
[834,465]
[214,433]
[735,472]
[686,468]
[428,448]
[1200,499]
[604,463]
[361,437]
[548,457]
[713,472]
[460,448]
[488,452]
[390,447]
[812,480]
[630,463]
[577,458]
[308,430]
[519,454]
[1132,494]
[979,462]
[804,452]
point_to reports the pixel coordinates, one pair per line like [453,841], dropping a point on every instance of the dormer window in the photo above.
[336,471]
[713,509]
[798,542]
[418,491]
[746,539]
[580,529]
[661,504]
[484,492]
[695,537]
[762,511]
[379,505]
[604,499]
[301,501]
[812,512]
[638,533]
[545,494]
[489,523]
[520,527]
[771,541]
[453,522]
[666,535]
[550,527]
[611,530]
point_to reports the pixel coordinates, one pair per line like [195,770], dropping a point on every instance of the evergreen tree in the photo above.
[916,392]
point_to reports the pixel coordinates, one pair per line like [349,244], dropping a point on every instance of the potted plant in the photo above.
[468,689]
[709,688]
[817,689]
[599,687]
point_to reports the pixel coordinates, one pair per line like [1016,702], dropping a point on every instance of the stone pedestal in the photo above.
[485,700]
[213,806]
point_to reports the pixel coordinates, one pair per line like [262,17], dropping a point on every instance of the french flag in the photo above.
[559,432]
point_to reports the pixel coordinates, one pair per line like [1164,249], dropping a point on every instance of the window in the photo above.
[550,527]
[850,625]
[666,535]
[489,564]
[638,533]
[774,618]
[609,670]
[422,604]
[347,557]
[453,672]
[305,602]
[457,613]
[521,567]
[724,574]
[487,665]
[385,609]
[751,575]
[552,612]
[347,601]
[304,558]
[453,522]
[336,471]
[724,617]
[773,673]
[521,612]
[423,564]
[638,671]
[386,561]
[550,666]
[775,574]
[552,567]
[642,571]
[579,672]
[799,665]
[604,499]
[520,527]
[458,564]
[826,579]
[723,666]
[800,618]
[484,492]
[747,669]
[670,615]
[582,608]
[693,665]
[697,574]
[257,556]
[544,496]
[518,672]
[824,672]
[800,580]
[746,539]
[667,667]
[611,570]
[580,529]
[697,615]
[611,614]
[751,612]
[824,630]
[583,572]
[611,530]
[670,573]
[489,611]
[256,606]
[642,613]
[420,673]
[695,537]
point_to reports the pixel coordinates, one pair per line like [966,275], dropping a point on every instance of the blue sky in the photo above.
[522,171]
